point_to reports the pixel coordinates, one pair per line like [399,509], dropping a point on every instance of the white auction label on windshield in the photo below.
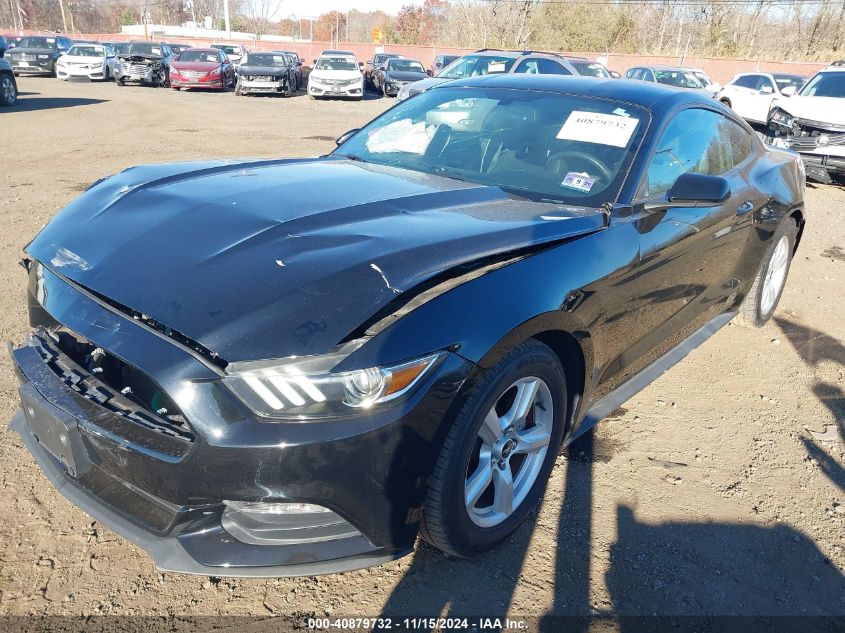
[595,127]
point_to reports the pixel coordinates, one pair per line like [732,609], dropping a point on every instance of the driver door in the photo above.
[689,254]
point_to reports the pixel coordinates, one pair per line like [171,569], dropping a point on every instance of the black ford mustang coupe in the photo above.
[288,367]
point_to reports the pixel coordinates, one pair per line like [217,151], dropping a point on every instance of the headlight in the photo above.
[782,118]
[305,388]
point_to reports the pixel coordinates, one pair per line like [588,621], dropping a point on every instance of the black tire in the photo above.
[752,313]
[8,90]
[119,82]
[446,521]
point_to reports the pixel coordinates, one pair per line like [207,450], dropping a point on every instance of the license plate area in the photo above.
[55,430]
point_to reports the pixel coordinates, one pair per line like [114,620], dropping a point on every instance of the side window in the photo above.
[696,140]
[740,141]
[551,67]
[635,73]
[648,75]
[749,81]
[529,67]
[763,83]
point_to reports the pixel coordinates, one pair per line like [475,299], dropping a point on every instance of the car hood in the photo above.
[83,59]
[269,259]
[336,74]
[819,109]
[405,75]
[196,66]
[272,71]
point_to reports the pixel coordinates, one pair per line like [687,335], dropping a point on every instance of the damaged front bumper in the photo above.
[266,85]
[174,480]
[822,150]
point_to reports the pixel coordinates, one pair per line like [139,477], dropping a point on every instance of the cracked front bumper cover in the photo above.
[170,553]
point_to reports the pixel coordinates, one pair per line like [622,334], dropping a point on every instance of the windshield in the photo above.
[590,69]
[143,49]
[405,65]
[825,85]
[199,56]
[474,65]
[36,42]
[336,63]
[87,51]
[677,78]
[785,81]
[229,50]
[545,146]
[265,59]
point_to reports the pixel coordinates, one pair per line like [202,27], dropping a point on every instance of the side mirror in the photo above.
[788,91]
[361,65]
[315,61]
[692,187]
[766,90]
[340,140]
[429,73]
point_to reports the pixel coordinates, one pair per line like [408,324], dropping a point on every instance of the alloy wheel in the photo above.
[775,275]
[509,451]
[9,93]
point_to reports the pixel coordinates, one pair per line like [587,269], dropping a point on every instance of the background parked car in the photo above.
[439,63]
[812,123]
[751,94]
[178,49]
[8,85]
[397,72]
[262,72]
[235,52]
[37,54]
[704,78]
[86,61]
[668,76]
[492,61]
[202,68]
[4,45]
[144,62]
[295,69]
[336,76]
[373,65]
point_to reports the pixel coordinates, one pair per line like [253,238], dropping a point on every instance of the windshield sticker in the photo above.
[496,67]
[579,181]
[595,127]
[156,51]
[621,112]
[401,136]
[51,40]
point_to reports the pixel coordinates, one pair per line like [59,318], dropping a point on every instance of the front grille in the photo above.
[131,68]
[110,382]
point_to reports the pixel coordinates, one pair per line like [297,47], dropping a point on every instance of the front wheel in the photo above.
[8,90]
[496,460]
[767,288]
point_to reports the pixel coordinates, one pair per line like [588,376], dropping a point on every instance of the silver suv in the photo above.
[488,61]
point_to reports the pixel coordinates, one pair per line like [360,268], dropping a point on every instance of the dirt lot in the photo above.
[718,490]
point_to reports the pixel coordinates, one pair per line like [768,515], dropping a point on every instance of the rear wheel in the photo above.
[768,285]
[495,462]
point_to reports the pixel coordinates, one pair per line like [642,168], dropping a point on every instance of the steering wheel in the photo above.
[567,155]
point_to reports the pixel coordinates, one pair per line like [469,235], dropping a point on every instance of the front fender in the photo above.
[582,286]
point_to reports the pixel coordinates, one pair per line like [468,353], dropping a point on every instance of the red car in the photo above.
[202,68]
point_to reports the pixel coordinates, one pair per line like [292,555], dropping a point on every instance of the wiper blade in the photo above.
[354,157]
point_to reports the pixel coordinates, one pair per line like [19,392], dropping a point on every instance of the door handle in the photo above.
[745,207]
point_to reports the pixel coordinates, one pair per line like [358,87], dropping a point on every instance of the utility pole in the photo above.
[347,26]
[64,20]
[226,19]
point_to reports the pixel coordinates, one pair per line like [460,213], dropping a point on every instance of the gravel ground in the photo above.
[718,490]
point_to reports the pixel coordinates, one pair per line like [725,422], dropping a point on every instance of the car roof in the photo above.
[788,75]
[210,49]
[644,94]
[663,67]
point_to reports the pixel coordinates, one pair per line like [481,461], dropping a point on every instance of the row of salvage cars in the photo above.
[220,66]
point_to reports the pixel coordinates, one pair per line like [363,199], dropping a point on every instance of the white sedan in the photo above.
[336,76]
[750,95]
[89,61]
